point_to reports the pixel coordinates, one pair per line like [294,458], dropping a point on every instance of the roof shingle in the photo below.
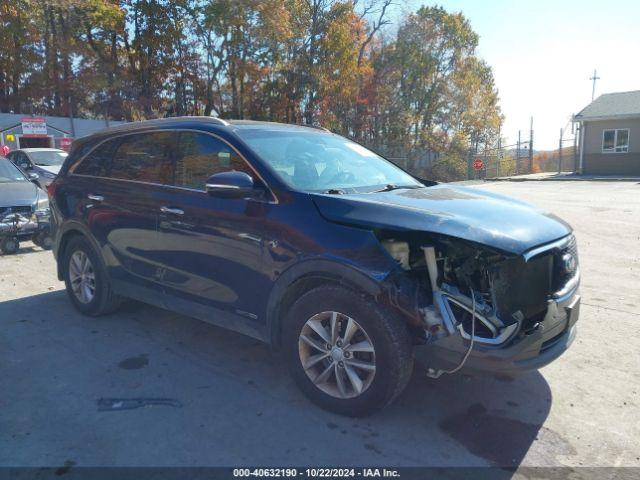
[609,105]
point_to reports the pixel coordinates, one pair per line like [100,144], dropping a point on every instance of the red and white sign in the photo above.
[34,126]
[65,143]
[478,164]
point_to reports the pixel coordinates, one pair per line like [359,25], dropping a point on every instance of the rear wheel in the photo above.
[345,352]
[9,245]
[86,280]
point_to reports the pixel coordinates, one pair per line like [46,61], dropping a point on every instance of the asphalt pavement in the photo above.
[147,387]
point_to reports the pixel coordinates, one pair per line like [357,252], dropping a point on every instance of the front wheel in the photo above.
[345,352]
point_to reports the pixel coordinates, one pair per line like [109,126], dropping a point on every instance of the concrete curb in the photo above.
[563,179]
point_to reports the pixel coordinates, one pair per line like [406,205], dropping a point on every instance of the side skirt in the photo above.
[212,315]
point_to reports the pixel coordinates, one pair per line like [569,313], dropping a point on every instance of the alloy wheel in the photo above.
[337,354]
[82,277]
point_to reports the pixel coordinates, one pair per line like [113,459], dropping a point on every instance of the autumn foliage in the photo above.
[404,89]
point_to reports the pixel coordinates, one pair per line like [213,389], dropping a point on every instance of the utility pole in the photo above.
[71,123]
[531,146]
[499,156]
[594,79]
[575,151]
[560,152]
[518,155]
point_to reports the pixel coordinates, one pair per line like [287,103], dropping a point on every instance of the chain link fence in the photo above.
[520,158]
[513,160]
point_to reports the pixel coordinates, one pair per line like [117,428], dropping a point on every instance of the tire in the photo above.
[43,240]
[10,245]
[102,299]
[391,356]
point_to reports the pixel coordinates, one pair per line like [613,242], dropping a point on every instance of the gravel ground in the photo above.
[232,402]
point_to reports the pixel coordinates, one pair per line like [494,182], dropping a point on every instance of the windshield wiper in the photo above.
[391,186]
[335,191]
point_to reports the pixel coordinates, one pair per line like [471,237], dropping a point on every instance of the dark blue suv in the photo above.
[318,246]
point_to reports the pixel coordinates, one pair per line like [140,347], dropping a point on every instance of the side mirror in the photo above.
[34,177]
[231,185]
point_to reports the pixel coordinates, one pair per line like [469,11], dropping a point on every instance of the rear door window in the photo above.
[98,162]
[144,157]
[200,155]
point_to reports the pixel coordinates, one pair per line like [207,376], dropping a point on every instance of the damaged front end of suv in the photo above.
[477,307]
[484,282]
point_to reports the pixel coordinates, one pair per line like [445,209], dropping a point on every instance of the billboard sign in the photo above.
[34,126]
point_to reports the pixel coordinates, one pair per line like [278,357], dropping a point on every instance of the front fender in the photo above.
[320,270]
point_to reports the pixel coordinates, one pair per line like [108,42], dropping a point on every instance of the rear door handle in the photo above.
[95,198]
[173,211]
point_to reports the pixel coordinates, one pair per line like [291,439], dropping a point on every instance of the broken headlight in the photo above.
[463,278]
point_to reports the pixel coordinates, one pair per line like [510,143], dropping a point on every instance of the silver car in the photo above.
[45,162]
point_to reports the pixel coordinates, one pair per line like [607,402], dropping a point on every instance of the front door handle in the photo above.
[173,211]
[95,198]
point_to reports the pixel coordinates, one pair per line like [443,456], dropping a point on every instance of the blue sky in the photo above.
[543,53]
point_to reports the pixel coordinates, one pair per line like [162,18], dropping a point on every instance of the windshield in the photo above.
[324,162]
[48,158]
[10,173]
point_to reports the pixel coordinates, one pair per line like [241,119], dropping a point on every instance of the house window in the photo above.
[615,140]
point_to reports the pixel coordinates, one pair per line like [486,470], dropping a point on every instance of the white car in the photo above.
[45,162]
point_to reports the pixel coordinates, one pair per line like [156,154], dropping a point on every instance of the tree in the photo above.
[420,95]
[20,56]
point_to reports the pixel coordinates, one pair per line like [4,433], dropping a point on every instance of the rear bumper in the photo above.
[524,352]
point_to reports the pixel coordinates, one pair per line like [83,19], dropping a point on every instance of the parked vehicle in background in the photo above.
[310,242]
[24,209]
[45,162]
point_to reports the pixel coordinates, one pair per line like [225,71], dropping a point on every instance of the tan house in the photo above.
[610,135]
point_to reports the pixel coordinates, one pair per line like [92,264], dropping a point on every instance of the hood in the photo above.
[471,214]
[16,194]
[55,169]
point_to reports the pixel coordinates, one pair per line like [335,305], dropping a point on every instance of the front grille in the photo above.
[522,286]
[565,264]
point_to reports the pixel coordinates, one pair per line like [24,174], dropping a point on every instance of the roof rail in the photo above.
[220,121]
[317,127]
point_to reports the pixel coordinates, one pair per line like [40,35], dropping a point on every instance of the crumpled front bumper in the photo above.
[524,352]
[25,226]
